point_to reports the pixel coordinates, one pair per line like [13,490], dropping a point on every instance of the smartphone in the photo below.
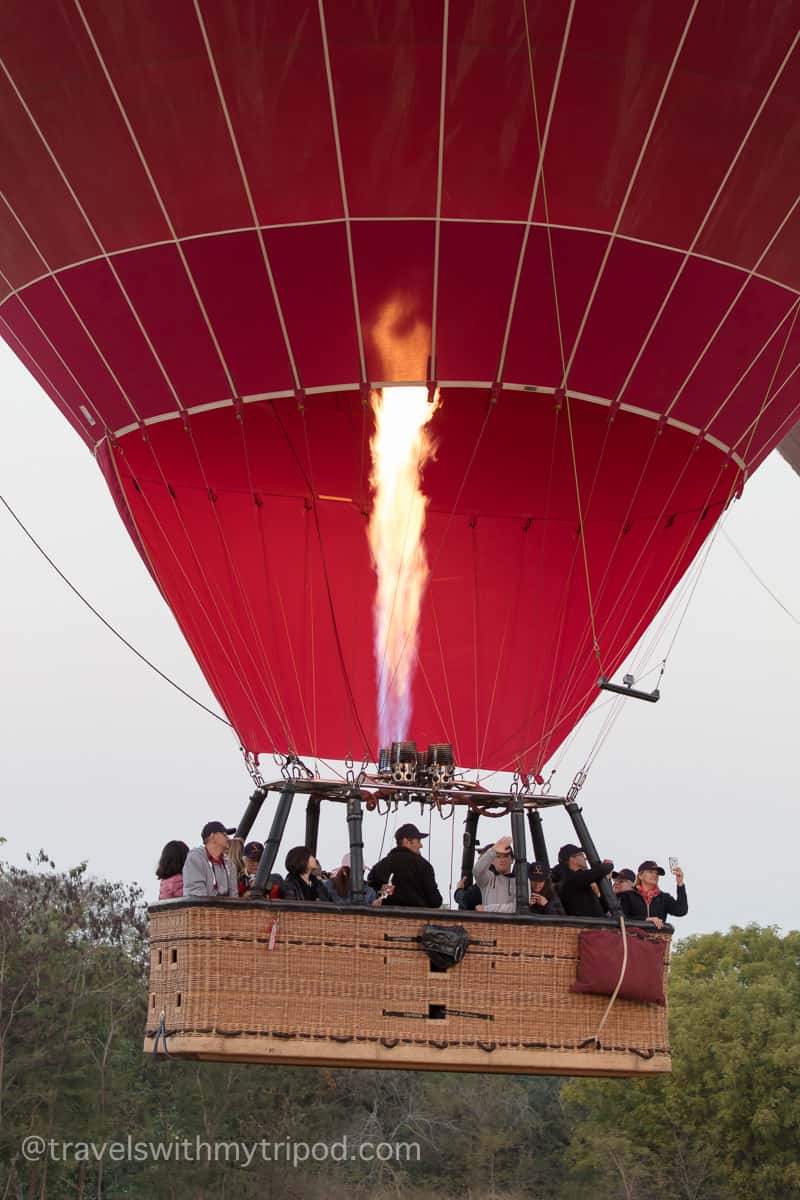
[673,864]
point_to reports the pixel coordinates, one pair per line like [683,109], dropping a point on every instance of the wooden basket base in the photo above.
[502,1060]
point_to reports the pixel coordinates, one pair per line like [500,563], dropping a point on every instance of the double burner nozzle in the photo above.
[403,763]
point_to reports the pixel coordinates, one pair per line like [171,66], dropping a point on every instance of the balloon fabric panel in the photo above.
[224,224]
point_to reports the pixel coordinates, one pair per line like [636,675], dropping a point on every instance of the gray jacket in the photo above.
[499,892]
[201,877]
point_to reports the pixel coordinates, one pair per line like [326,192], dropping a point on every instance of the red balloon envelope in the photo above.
[224,223]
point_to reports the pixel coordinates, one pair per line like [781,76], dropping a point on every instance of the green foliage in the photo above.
[726,1123]
[73,960]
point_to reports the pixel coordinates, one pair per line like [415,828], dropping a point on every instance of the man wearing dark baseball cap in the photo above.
[411,875]
[575,889]
[207,871]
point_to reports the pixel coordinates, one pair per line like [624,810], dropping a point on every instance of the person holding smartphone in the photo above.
[646,901]
[543,901]
[410,876]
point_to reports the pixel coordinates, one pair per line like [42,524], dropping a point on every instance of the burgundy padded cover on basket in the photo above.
[600,963]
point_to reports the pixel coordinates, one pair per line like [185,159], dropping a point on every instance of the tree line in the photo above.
[73,993]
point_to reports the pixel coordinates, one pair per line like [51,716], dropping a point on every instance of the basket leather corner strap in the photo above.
[626,966]
[161,1035]
[445,945]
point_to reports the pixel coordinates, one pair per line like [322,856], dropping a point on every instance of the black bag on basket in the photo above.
[445,945]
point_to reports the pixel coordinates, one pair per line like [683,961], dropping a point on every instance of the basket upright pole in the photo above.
[312,823]
[273,842]
[585,839]
[520,854]
[354,826]
[250,813]
[470,844]
[537,837]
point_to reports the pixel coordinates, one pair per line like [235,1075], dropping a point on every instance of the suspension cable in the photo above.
[758,578]
[142,657]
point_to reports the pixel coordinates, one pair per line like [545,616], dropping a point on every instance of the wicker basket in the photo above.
[294,983]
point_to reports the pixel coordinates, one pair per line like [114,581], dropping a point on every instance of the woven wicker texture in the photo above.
[339,976]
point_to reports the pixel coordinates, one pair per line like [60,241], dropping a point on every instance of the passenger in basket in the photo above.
[207,871]
[338,887]
[543,901]
[252,857]
[624,880]
[576,879]
[412,875]
[646,901]
[494,875]
[302,880]
[170,870]
[467,895]
[245,860]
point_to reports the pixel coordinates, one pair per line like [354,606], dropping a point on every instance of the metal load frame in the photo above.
[477,800]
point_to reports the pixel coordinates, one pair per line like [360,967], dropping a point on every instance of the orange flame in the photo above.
[400,340]
[401,446]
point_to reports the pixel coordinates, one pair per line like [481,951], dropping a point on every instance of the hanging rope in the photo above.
[269,590]
[452,859]
[143,658]
[758,578]
[596,1036]
[562,393]
[385,830]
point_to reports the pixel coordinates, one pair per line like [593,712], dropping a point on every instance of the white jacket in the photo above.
[499,892]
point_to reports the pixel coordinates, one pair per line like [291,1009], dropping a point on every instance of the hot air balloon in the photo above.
[557,242]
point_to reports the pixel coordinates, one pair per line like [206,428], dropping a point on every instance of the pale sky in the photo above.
[101,760]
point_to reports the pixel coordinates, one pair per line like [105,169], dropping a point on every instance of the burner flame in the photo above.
[401,446]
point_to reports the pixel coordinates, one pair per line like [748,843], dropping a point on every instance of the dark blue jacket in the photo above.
[636,908]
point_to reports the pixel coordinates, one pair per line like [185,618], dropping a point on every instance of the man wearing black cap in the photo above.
[412,875]
[207,871]
[646,901]
[575,887]
[623,880]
